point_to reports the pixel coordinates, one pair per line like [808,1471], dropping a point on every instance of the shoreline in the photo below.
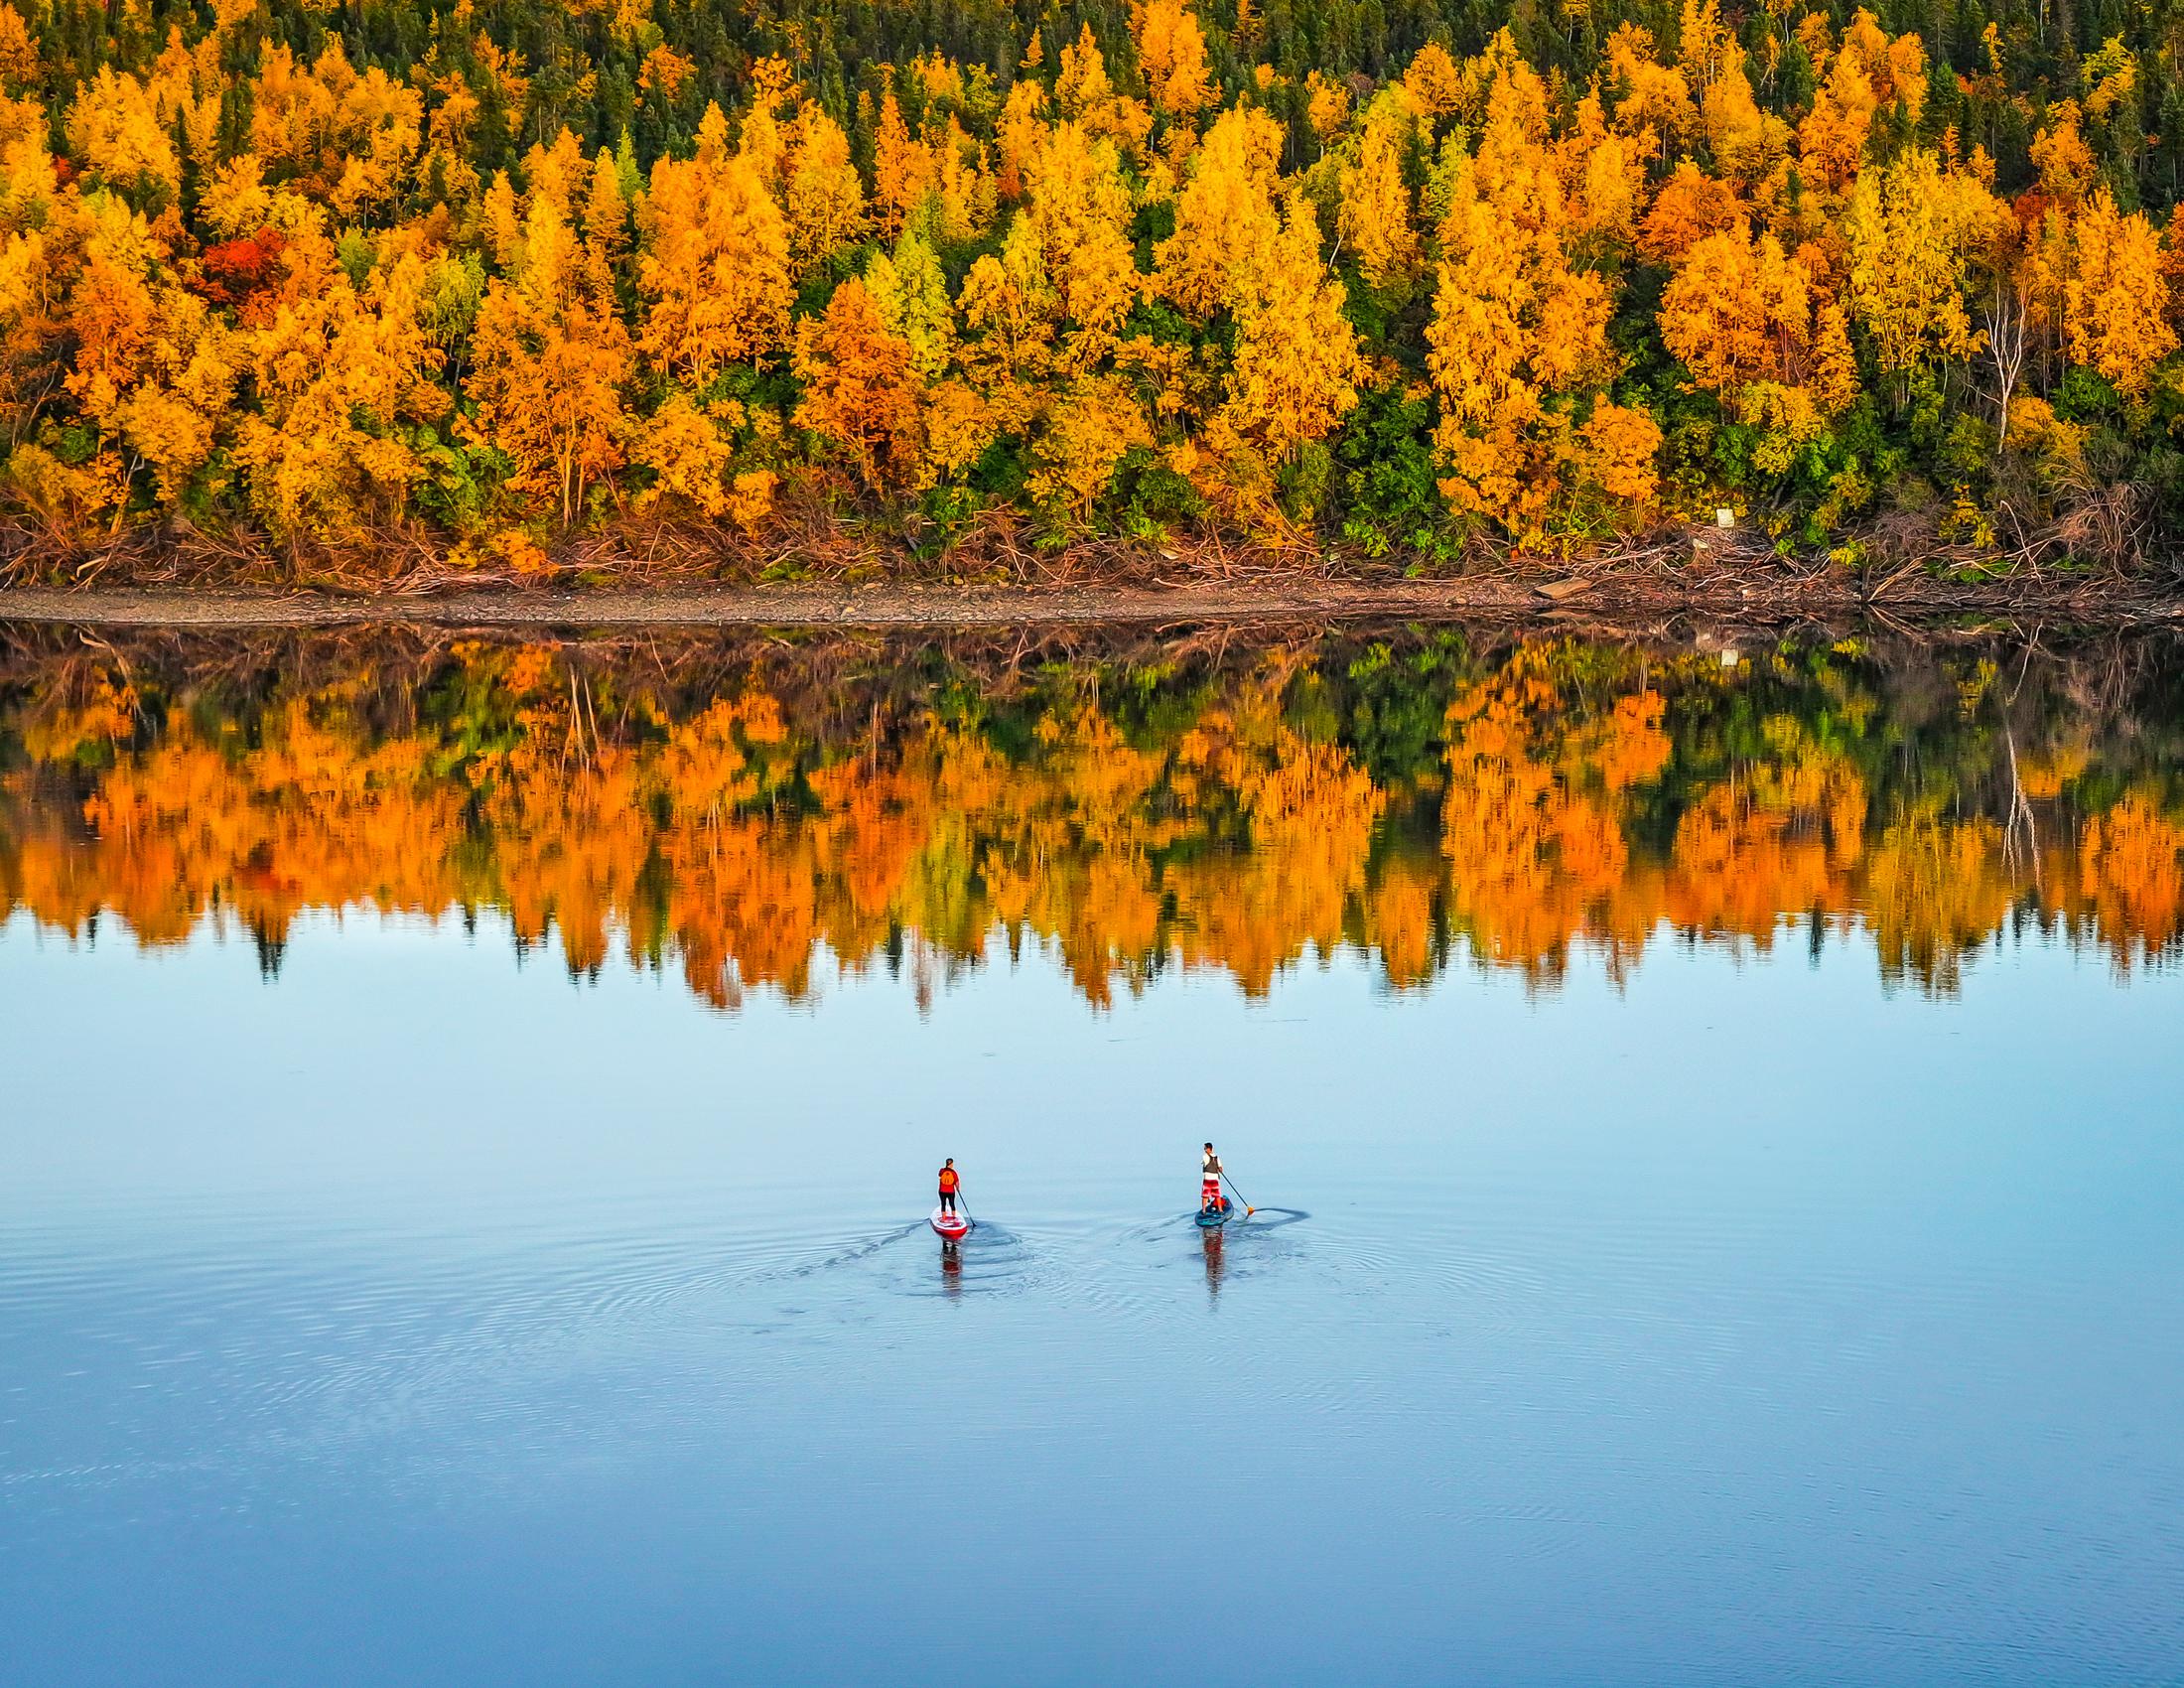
[896,604]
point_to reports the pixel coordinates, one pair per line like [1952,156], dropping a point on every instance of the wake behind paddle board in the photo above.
[1212,1218]
[951,1227]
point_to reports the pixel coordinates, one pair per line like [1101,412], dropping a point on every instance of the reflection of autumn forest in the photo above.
[1429,798]
[327,275]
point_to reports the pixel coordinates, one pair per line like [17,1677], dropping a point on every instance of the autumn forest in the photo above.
[1392,280]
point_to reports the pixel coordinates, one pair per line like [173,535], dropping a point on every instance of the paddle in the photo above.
[1249,1209]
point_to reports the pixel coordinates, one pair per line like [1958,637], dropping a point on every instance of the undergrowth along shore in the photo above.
[828,565]
[1612,597]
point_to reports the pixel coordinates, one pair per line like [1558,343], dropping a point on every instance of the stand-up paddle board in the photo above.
[1214,1217]
[952,1227]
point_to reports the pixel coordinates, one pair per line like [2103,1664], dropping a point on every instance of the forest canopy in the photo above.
[1397,276]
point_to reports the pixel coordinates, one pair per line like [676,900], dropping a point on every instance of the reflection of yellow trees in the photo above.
[724,840]
[1629,747]
[2131,882]
[1933,890]
[1784,837]
[1536,858]
[309,817]
[1311,813]
[70,715]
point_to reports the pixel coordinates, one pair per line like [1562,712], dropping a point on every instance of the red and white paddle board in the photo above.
[953,1227]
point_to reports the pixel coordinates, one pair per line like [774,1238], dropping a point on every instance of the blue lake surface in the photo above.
[424,1313]
[417,1319]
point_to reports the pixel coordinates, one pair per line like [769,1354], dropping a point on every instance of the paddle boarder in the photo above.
[1209,1192]
[949,1184]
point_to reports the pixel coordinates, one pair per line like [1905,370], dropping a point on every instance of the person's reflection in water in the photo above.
[951,1268]
[1213,1262]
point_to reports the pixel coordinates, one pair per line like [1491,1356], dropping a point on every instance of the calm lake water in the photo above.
[469,1108]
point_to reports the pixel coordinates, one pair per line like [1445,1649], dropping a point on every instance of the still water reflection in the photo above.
[1715,1127]
[1428,799]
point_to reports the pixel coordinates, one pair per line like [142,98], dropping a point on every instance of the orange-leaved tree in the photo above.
[713,265]
[553,362]
[860,386]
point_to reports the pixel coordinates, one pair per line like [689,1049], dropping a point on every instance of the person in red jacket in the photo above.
[949,1183]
